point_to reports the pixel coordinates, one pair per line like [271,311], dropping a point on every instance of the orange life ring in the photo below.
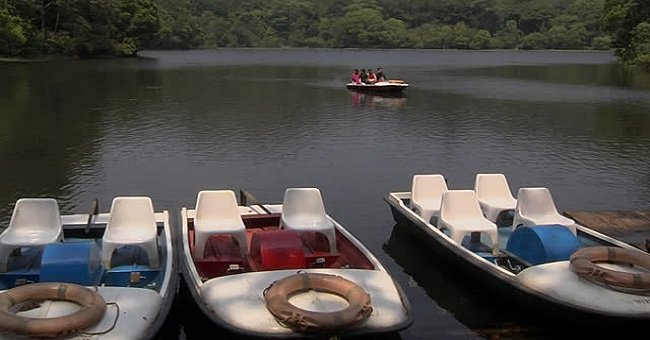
[278,294]
[584,263]
[92,309]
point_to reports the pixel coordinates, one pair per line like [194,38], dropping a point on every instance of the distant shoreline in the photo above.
[33,60]
[15,60]
[60,57]
[55,57]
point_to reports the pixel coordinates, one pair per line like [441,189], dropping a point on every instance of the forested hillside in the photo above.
[122,27]
[461,24]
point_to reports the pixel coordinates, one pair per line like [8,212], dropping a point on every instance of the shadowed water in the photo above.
[177,122]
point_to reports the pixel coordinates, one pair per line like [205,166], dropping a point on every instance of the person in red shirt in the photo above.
[372,78]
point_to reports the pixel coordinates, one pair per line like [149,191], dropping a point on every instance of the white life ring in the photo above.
[92,309]
[277,302]
[584,263]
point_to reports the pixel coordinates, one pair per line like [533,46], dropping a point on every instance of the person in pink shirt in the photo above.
[356,76]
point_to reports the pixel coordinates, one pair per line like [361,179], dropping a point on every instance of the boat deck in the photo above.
[632,227]
[272,248]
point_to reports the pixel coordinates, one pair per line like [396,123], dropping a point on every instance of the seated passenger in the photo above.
[372,78]
[364,76]
[381,76]
[356,77]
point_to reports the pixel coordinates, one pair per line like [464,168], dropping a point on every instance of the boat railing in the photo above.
[246,198]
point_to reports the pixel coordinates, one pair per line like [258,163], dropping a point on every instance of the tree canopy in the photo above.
[474,24]
[76,27]
[629,23]
[90,28]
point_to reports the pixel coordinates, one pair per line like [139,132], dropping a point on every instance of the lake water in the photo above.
[177,122]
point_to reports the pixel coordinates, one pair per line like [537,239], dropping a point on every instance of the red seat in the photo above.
[278,249]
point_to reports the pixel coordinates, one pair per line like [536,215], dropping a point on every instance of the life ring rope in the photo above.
[584,262]
[277,302]
[117,316]
[92,309]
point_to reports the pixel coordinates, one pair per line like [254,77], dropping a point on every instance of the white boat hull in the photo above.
[556,280]
[131,312]
[238,300]
[552,283]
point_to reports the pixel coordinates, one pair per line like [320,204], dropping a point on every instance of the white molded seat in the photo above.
[494,196]
[132,221]
[426,195]
[535,206]
[34,222]
[303,210]
[461,214]
[217,213]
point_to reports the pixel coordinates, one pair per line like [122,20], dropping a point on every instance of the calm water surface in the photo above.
[178,122]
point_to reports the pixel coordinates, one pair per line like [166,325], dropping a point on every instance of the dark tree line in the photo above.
[464,24]
[629,23]
[121,27]
[83,28]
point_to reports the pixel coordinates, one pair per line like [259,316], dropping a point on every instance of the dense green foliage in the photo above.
[76,27]
[629,23]
[463,24]
[120,27]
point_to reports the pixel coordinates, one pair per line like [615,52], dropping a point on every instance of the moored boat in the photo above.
[86,276]
[285,270]
[524,249]
[381,87]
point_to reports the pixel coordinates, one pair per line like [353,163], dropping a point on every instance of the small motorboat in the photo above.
[525,249]
[86,276]
[284,270]
[382,87]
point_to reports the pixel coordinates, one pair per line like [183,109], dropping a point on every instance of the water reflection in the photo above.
[182,121]
[377,99]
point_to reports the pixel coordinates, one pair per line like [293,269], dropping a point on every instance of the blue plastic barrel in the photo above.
[72,262]
[542,243]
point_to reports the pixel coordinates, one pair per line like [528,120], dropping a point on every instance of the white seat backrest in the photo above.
[302,202]
[132,212]
[36,214]
[34,222]
[303,211]
[216,205]
[427,186]
[535,202]
[492,185]
[217,212]
[459,203]
[132,221]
